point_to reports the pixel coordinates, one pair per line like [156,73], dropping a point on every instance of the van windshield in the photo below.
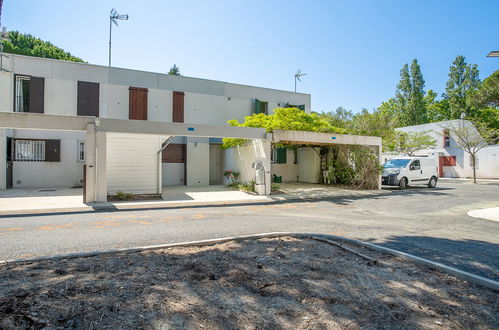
[399,163]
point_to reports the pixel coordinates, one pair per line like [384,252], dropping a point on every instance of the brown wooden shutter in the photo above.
[52,150]
[36,94]
[137,103]
[88,99]
[174,153]
[178,107]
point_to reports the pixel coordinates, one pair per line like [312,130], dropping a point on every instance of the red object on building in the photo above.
[445,161]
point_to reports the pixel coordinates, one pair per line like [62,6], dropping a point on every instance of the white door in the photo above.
[215,164]
[415,175]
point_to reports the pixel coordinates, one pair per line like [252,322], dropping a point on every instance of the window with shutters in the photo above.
[29,150]
[174,153]
[137,103]
[261,107]
[178,107]
[88,99]
[446,135]
[28,93]
[21,96]
[81,152]
[278,156]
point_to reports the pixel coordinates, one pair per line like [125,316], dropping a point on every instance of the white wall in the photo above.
[288,171]
[60,97]
[132,163]
[241,159]
[204,109]
[198,165]
[172,174]
[118,102]
[6,92]
[66,173]
[488,157]
[308,166]
[160,104]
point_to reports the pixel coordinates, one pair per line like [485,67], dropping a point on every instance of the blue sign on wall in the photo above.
[191,129]
[334,137]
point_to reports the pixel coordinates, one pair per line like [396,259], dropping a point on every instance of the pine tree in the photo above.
[410,95]
[463,82]
[417,108]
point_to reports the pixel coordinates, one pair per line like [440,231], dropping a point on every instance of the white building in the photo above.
[134,131]
[452,161]
[55,87]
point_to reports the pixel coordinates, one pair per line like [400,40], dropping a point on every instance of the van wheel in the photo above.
[403,183]
[432,183]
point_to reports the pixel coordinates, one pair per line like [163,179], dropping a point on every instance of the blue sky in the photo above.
[352,51]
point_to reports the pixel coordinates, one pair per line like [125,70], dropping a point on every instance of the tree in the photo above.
[26,44]
[410,95]
[174,70]
[409,143]
[463,82]
[341,117]
[488,92]
[471,137]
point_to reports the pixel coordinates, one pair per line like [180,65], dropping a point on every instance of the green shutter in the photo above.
[258,106]
[281,156]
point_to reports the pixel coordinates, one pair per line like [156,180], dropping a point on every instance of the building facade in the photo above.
[48,158]
[452,161]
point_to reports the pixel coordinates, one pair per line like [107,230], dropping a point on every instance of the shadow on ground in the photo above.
[269,283]
[477,257]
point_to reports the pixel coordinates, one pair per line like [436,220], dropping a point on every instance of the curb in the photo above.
[466,276]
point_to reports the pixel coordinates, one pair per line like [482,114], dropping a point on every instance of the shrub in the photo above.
[123,196]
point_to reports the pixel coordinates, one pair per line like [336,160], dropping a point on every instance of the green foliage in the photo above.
[460,91]
[283,118]
[378,123]
[246,187]
[174,70]
[275,187]
[409,143]
[26,44]
[123,196]
[341,117]
[410,95]
[354,165]
[488,92]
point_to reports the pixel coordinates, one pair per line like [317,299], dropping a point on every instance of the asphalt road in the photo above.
[430,223]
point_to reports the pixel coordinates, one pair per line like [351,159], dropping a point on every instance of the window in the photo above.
[137,103]
[278,156]
[88,99]
[301,106]
[415,165]
[81,151]
[178,107]
[29,150]
[295,154]
[261,106]
[22,94]
[26,150]
[28,93]
[446,135]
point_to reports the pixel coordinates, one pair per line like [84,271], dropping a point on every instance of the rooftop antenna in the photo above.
[298,75]
[114,16]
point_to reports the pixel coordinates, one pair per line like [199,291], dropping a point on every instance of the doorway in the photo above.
[10,166]
[215,164]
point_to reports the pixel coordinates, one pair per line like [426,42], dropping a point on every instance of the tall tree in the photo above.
[463,82]
[417,110]
[410,95]
[174,70]
[26,44]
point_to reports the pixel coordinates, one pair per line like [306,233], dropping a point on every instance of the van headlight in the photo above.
[391,171]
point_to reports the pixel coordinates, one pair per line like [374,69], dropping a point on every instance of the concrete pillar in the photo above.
[101,167]
[3,159]
[90,164]
[267,147]
[96,171]
[198,166]
[380,155]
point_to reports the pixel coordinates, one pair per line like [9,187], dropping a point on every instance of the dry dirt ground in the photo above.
[255,284]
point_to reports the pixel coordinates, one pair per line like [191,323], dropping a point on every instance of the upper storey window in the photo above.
[261,107]
[28,94]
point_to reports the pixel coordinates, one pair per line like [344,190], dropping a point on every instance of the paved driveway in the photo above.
[429,223]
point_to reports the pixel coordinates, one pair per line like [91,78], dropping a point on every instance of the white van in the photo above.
[406,171]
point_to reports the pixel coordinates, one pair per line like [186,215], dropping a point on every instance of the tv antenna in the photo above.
[114,17]
[298,75]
